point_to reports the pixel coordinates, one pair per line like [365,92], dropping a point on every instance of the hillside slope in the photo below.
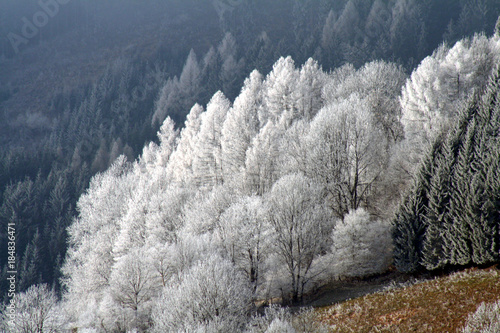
[439,305]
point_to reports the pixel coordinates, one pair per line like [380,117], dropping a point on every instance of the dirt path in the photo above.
[340,291]
[344,293]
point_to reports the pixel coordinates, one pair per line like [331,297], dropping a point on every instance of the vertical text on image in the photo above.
[11,273]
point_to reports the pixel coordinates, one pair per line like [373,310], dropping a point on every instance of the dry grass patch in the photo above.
[439,305]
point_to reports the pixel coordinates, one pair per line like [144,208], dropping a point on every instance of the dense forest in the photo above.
[169,164]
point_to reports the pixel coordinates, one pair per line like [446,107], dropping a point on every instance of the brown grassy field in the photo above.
[439,305]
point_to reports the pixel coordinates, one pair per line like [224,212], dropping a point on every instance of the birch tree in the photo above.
[300,227]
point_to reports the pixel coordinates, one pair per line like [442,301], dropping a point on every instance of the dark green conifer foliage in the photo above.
[409,224]
[479,230]
[482,199]
[29,265]
[458,216]
[492,206]
[408,233]
[433,248]
[438,215]
[446,196]
[457,231]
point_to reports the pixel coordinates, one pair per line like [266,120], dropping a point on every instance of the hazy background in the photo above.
[86,85]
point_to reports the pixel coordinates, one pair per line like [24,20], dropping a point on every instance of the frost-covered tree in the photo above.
[441,85]
[202,213]
[308,93]
[486,319]
[347,24]
[244,233]
[362,246]
[496,30]
[101,158]
[208,163]
[261,165]
[168,137]
[212,294]
[301,227]
[241,126]
[189,80]
[167,99]
[328,35]
[37,310]
[132,287]
[87,268]
[181,162]
[279,87]
[347,153]
[294,149]
[132,226]
[164,214]
[377,29]
[420,100]
[379,83]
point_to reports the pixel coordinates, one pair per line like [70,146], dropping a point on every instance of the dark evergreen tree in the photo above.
[482,199]
[408,233]
[409,222]
[39,185]
[29,266]
[491,207]
[460,206]
[439,217]
[457,231]
[480,231]
[435,217]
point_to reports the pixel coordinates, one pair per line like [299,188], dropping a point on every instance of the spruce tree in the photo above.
[491,208]
[481,200]
[439,216]
[457,231]
[471,235]
[408,233]
[438,196]
[409,222]
[456,194]
[440,237]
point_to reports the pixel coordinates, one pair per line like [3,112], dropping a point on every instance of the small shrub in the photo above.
[486,319]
